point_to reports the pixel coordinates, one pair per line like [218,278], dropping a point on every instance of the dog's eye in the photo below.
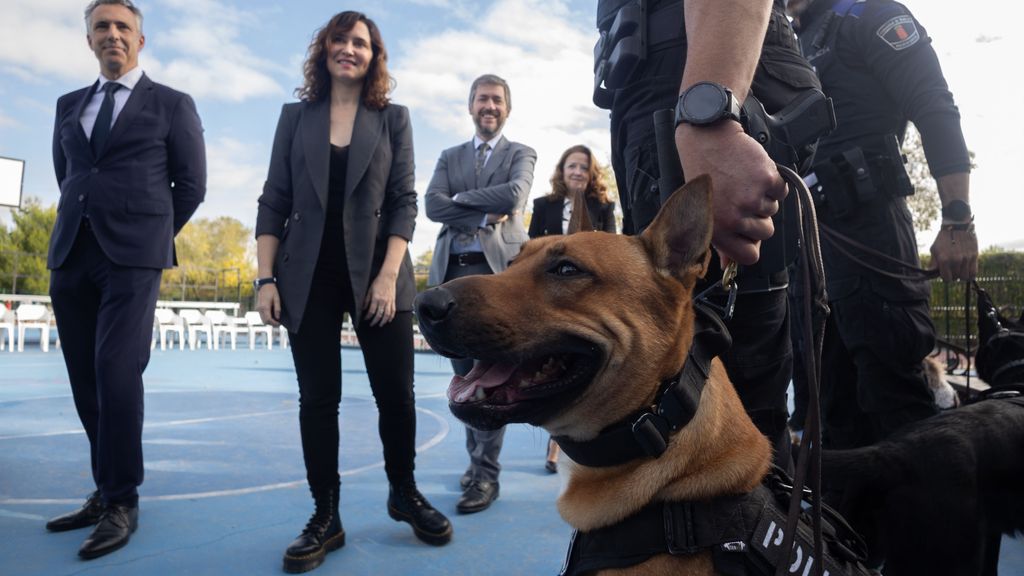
[565,268]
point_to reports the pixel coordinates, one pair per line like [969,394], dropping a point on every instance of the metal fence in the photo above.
[26,273]
[955,307]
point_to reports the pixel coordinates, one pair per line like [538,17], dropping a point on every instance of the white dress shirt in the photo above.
[128,80]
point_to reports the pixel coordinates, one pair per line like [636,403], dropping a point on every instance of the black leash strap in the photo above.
[815,308]
[844,243]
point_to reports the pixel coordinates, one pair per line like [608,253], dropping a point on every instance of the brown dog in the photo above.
[579,333]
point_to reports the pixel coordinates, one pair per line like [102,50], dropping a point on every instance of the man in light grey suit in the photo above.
[478,192]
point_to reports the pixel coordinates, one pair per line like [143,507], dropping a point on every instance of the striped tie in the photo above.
[481,157]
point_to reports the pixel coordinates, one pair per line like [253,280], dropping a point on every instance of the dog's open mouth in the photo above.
[497,392]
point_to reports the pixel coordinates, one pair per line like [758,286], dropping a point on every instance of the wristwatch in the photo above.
[706,103]
[260,282]
[957,211]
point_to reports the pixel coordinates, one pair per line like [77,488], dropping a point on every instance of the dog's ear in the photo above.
[580,219]
[680,235]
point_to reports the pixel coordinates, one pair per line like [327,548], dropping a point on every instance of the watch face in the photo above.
[704,103]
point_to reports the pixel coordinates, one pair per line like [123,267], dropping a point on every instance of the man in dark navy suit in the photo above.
[131,163]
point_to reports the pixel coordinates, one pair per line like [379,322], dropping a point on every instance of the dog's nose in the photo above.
[434,305]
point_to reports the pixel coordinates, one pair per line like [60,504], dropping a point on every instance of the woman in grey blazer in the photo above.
[332,232]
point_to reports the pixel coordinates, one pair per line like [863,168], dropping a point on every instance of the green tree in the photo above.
[925,205]
[422,269]
[216,261]
[23,249]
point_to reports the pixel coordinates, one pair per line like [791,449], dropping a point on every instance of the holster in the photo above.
[861,174]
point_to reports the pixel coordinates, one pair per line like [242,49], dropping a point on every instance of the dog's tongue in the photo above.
[483,375]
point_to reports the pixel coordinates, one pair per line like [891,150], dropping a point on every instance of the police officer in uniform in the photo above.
[708,62]
[876,62]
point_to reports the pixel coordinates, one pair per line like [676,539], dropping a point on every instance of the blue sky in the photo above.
[241,60]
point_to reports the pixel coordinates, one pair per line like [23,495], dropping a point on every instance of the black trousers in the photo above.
[483,446]
[872,380]
[104,317]
[389,357]
[761,358]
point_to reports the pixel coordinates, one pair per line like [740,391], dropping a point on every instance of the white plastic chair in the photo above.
[167,322]
[256,327]
[196,324]
[33,316]
[283,337]
[348,334]
[226,325]
[7,328]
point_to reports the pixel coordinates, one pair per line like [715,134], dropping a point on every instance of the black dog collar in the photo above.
[646,434]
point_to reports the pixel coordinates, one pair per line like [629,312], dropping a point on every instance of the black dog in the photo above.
[1000,357]
[935,498]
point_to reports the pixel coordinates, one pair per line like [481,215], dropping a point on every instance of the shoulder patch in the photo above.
[899,32]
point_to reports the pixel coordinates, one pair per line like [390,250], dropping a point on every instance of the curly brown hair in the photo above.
[595,187]
[317,81]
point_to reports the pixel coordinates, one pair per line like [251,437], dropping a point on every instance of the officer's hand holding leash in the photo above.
[747,186]
[955,250]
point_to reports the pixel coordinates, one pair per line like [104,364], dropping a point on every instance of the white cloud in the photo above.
[200,53]
[47,40]
[6,121]
[211,61]
[235,179]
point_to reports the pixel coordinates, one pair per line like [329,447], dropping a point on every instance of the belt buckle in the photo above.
[462,258]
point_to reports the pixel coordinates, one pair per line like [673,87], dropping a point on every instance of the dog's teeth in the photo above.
[524,383]
[479,394]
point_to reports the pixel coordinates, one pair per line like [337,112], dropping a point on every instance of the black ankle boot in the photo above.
[323,534]
[406,504]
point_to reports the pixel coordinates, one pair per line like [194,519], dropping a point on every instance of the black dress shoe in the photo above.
[406,504]
[88,515]
[113,531]
[465,480]
[477,497]
[323,534]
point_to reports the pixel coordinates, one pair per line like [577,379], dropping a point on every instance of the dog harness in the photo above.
[744,534]
[646,434]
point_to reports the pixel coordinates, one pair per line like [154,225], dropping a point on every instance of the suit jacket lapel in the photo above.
[137,100]
[497,157]
[556,211]
[79,108]
[468,159]
[316,141]
[365,134]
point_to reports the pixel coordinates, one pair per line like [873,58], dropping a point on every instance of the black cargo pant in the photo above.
[879,331]
[761,358]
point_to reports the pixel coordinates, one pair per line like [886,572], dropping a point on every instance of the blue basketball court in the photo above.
[225,488]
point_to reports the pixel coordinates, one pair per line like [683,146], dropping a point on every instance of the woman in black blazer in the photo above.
[577,174]
[334,222]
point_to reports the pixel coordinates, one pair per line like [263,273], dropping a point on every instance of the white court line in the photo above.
[20,515]
[167,424]
[433,441]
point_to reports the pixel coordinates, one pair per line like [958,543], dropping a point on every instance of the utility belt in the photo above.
[743,533]
[870,172]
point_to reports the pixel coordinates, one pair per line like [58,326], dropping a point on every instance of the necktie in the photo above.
[101,129]
[481,157]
